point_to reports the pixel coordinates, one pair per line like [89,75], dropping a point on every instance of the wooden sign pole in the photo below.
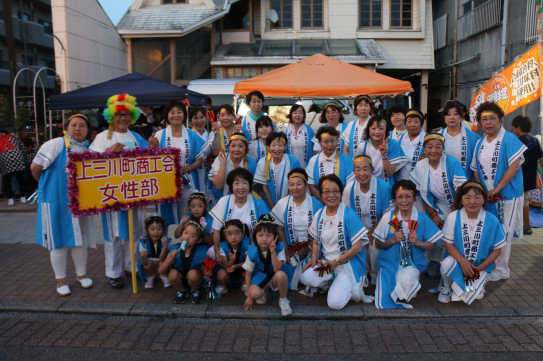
[132,250]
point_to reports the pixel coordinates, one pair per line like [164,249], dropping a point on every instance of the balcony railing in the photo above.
[483,17]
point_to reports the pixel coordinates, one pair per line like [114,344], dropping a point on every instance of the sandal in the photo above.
[528,230]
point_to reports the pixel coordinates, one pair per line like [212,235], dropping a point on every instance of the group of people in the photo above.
[357,210]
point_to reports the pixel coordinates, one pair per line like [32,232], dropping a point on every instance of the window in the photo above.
[174,1]
[238,16]
[284,12]
[467,7]
[23,16]
[311,13]
[400,13]
[47,28]
[370,13]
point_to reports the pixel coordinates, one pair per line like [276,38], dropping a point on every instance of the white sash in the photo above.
[471,244]
[185,153]
[292,133]
[340,227]
[488,179]
[373,200]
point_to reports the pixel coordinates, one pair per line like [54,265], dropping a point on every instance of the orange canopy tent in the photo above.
[319,76]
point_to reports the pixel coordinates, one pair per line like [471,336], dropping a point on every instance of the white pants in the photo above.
[342,289]
[407,283]
[512,222]
[113,252]
[459,293]
[373,252]
[59,260]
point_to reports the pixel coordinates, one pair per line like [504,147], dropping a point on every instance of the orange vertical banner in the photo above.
[514,87]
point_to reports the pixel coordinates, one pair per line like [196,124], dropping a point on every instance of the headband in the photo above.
[327,135]
[488,112]
[198,195]
[363,157]
[332,104]
[154,217]
[78,115]
[265,219]
[474,184]
[431,136]
[326,181]
[402,188]
[414,113]
[239,137]
[366,97]
[198,225]
[298,175]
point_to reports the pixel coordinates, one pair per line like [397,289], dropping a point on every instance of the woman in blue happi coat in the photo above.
[386,154]
[496,164]
[238,205]
[271,170]
[473,239]
[338,258]
[56,229]
[403,234]
[437,176]
[370,197]
[193,152]
[459,141]
[293,215]
[299,135]
[328,161]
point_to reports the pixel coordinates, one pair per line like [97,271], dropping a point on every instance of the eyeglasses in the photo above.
[328,193]
[123,115]
[234,232]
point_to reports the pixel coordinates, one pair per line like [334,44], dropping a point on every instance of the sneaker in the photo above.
[181,297]
[11,202]
[262,300]
[196,297]
[455,297]
[85,282]
[243,289]
[165,281]
[445,295]
[150,283]
[116,282]
[64,290]
[221,290]
[284,305]
[308,291]
[23,200]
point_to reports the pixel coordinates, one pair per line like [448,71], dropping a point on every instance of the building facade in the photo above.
[473,40]
[34,46]
[177,41]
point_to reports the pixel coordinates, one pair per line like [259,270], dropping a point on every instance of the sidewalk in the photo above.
[27,284]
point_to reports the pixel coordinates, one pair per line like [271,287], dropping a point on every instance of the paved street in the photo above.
[46,336]
[102,322]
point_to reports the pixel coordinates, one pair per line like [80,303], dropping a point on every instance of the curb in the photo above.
[229,312]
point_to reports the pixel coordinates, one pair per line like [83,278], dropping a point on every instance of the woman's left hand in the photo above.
[413,238]
[383,148]
[153,142]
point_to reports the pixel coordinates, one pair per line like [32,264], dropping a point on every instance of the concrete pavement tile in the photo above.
[529,311]
[21,305]
[159,310]
[477,312]
[97,308]
[372,312]
[188,310]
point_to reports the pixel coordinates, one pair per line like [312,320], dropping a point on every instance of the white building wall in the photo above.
[93,50]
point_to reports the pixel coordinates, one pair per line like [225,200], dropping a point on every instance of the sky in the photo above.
[115,9]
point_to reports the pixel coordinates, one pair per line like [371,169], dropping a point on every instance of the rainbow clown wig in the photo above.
[121,102]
